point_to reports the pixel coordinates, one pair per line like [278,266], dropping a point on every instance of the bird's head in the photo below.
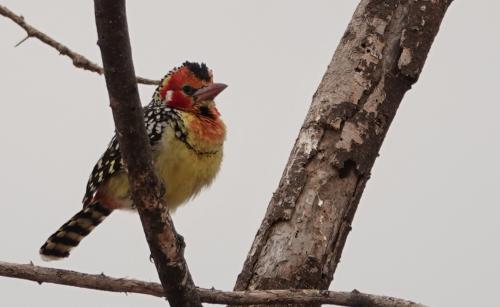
[190,88]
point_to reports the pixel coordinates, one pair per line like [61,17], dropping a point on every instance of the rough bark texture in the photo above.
[166,248]
[380,56]
[106,283]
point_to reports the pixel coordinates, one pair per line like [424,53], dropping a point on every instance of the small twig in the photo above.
[78,60]
[22,41]
[105,283]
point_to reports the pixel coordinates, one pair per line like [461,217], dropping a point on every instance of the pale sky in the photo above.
[427,226]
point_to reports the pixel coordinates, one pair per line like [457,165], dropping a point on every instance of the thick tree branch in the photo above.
[380,56]
[106,283]
[78,60]
[166,248]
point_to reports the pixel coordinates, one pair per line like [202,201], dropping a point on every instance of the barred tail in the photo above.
[69,235]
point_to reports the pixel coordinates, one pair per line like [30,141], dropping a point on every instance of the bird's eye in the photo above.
[188,90]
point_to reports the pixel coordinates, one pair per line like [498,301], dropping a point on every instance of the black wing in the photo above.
[156,118]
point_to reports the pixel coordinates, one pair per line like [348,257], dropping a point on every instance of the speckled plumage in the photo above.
[157,117]
[186,137]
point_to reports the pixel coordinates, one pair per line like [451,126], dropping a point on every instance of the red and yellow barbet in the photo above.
[186,134]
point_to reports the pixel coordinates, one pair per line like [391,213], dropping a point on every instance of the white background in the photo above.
[427,226]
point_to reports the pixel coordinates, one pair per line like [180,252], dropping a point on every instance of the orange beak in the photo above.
[209,92]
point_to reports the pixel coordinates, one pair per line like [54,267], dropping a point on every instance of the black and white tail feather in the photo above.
[69,235]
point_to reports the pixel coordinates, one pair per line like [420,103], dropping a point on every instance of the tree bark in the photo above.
[166,248]
[78,60]
[380,56]
[105,283]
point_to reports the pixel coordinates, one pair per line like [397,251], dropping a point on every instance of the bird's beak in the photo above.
[209,92]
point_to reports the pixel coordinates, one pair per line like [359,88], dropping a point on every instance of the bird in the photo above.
[186,133]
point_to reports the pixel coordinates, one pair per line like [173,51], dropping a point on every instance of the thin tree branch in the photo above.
[147,190]
[106,283]
[78,60]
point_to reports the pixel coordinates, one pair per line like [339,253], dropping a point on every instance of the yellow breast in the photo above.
[184,170]
[185,166]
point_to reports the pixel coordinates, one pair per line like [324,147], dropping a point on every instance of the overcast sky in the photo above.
[427,226]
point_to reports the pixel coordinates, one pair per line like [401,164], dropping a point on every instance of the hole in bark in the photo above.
[357,69]
[349,165]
